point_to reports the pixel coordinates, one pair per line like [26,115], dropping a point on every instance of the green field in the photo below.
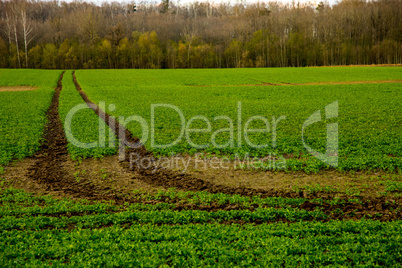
[23,114]
[42,231]
[369,117]
[101,213]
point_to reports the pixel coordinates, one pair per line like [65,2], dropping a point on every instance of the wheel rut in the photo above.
[51,162]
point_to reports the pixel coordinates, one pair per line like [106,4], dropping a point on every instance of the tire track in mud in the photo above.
[115,126]
[174,179]
[51,162]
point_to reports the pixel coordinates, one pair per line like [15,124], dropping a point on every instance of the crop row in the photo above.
[165,216]
[16,214]
[19,203]
[206,199]
[60,208]
[337,243]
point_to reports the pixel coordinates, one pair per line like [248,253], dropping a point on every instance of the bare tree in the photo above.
[13,18]
[194,35]
[27,28]
[9,28]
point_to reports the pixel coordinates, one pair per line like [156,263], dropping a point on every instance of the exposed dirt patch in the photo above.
[324,183]
[107,173]
[304,84]
[343,83]
[361,65]
[16,88]
[17,175]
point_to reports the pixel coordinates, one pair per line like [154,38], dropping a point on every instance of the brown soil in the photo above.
[16,88]
[108,174]
[17,176]
[305,84]
[361,65]
[343,83]
[324,183]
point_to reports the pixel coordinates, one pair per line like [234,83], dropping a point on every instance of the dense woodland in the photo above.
[54,34]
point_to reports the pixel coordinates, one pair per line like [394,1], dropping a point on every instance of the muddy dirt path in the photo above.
[53,168]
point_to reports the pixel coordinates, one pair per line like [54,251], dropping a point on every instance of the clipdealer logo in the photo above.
[331,154]
[243,130]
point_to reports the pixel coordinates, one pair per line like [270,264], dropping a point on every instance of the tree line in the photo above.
[54,34]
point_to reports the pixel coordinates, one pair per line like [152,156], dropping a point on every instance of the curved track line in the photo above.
[173,179]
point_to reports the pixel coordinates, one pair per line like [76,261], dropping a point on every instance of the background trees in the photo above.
[51,34]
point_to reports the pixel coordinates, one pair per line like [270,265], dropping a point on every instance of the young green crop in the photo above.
[23,114]
[207,199]
[42,231]
[238,76]
[369,114]
[363,243]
